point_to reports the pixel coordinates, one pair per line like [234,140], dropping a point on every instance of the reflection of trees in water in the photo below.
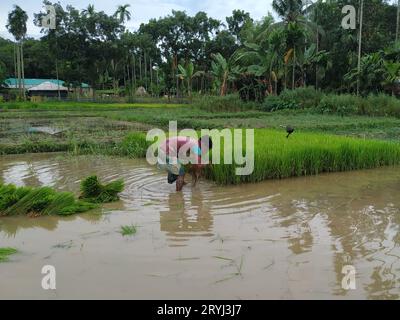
[361,212]
[183,219]
[12,225]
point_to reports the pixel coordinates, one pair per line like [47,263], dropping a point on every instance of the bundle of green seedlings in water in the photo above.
[95,192]
[6,252]
[304,154]
[46,201]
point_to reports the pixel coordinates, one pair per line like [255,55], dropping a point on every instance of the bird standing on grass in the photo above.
[290,130]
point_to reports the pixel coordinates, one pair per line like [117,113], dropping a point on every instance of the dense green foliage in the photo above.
[341,104]
[180,54]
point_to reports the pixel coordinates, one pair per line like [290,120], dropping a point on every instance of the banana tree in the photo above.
[311,57]
[392,74]
[224,71]
[187,74]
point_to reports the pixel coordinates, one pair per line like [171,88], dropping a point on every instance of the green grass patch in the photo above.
[276,157]
[128,230]
[6,252]
[85,105]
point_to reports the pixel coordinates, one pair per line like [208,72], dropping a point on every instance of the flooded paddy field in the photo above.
[286,239]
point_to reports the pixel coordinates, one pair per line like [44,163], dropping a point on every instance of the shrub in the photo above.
[226,103]
[345,104]
[305,98]
[274,103]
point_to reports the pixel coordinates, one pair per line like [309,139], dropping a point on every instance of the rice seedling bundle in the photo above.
[46,201]
[5,252]
[276,157]
[93,191]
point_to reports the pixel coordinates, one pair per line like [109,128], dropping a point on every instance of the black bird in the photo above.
[290,130]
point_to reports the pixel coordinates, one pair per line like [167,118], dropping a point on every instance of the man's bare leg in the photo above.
[180,183]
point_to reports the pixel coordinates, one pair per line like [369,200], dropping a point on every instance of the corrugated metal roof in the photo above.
[48,86]
[29,83]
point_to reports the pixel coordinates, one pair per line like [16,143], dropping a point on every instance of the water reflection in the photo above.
[183,218]
[325,222]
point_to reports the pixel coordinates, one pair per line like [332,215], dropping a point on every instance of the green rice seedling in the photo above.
[94,192]
[39,201]
[307,154]
[64,203]
[77,207]
[34,202]
[128,230]
[10,194]
[134,145]
[6,252]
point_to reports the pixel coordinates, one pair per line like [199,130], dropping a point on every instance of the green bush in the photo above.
[305,98]
[231,103]
[381,105]
[274,103]
[345,104]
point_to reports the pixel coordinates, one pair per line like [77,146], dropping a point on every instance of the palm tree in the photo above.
[398,21]
[360,45]
[89,11]
[187,74]
[297,27]
[123,13]
[17,27]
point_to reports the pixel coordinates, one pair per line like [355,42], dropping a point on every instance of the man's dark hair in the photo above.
[207,140]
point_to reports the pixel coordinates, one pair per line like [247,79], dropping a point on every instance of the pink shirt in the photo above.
[172,146]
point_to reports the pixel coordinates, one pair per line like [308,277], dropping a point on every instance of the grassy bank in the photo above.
[71,105]
[308,154]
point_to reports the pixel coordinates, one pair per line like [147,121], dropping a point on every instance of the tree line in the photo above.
[179,54]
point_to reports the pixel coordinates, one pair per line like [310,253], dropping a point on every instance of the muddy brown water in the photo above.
[286,239]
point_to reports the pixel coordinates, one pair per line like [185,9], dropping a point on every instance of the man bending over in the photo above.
[173,151]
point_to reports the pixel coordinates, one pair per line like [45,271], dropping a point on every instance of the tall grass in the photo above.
[307,154]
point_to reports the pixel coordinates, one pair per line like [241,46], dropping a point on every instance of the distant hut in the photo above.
[48,89]
[141,91]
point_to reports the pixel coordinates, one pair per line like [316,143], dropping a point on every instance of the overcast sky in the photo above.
[142,10]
